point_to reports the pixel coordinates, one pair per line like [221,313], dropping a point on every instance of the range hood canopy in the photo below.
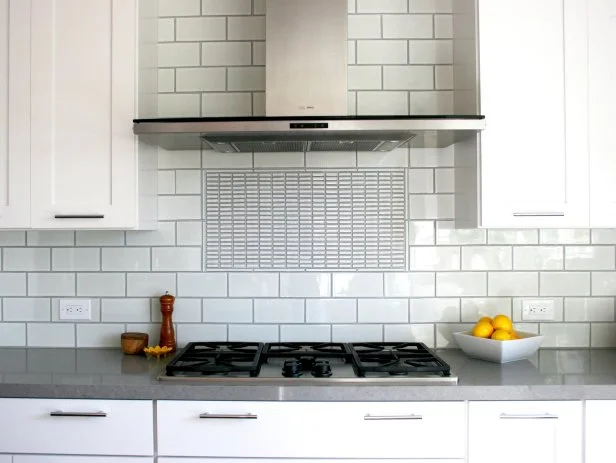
[306,98]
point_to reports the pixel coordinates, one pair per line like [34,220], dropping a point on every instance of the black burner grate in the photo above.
[209,358]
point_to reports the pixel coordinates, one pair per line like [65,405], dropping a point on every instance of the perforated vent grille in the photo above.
[304,220]
[269,147]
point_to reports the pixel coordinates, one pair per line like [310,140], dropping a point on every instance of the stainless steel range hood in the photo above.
[306,98]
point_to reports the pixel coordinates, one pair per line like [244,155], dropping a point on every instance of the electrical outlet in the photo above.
[542,309]
[75,309]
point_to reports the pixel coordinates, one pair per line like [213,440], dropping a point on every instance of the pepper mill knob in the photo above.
[167,334]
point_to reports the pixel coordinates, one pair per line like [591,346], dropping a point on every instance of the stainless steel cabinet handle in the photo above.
[392,417]
[215,416]
[545,416]
[538,214]
[80,414]
[79,216]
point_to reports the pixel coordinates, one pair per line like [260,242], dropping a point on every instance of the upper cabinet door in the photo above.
[534,155]
[602,108]
[14,113]
[84,172]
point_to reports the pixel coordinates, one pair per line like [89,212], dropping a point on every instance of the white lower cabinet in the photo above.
[599,421]
[76,459]
[529,432]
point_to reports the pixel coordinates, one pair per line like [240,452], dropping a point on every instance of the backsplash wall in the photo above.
[211,59]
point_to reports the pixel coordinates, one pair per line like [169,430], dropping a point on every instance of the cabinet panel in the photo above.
[533,153]
[14,114]
[599,424]
[543,432]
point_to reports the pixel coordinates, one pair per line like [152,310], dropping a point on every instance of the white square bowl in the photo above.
[499,351]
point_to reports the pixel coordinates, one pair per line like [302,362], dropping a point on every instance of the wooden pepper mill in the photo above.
[167,334]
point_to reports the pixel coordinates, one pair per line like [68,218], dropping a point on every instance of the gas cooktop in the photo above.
[300,363]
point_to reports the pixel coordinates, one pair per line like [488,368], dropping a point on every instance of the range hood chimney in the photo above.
[306,98]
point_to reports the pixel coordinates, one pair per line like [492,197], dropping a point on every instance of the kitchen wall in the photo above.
[211,63]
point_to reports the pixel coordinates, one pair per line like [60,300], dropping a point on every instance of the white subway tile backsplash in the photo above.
[12,334]
[12,284]
[100,284]
[202,285]
[166,80]
[421,181]
[166,182]
[200,79]
[331,311]
[305,333]
[603,236]
[461,284]
[227,310]
[179,207]
[179,7]
[603,335]
[475,308]
[590,258]
[395,158]
[100,238]
[430,52]
[126,259]
[382,6]
[99,334]
[444,180]
[432,157]
[246,28]
[26,259]
[431,310]
[565,334]
[365,77]
[564,236]
[357,333]
[410,333]
[163,236]
[203,332]
[150,284]
[440,102]
[213,160]
[380,52]
[51,284]
[189,233]
[513,236]
[407,26]
[431,6]
[152,329]
[352,52]
[447,234]
[365,26]
[408,77]
[486,258]
[514,284]
[50,238]
[179,104]
[226,7]
[383,310]
[188,159]
[199,29]
[253,284]
[226,54]
[435,258]
[306,284]
[421,233]
[431,207]
[184,310]
[589,309]
[413,284]
[166,30]
[126,310]
[176,259]
[258,53]
[254,333]
[278,160]
[382,103]
[178,54]
[226,105]
[443,26]
[444,334]
[279,311]
[331,159]
[51,335]
[603,284]
[12,238]
[242,79]
[26,309]
[564,284]
[538,258]
[358,284]
[443,77]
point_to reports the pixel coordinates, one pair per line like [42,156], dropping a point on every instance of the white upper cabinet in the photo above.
[14,114]
[602,109]
[533,91]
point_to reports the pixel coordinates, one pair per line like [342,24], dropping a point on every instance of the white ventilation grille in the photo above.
[305,220]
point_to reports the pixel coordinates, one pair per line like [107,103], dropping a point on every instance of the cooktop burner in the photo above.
[210,358]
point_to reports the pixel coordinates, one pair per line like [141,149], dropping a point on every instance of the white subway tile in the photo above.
[95,310]
[538,258]
[305,333]
[410,333]
[12,284]
[446,233]
[565,284]
[226,7]
[126,259]
[12,334]
[200,79]
[226,54]
[253,284]
[99,334]
[352,49]
[513,284]
[12,238]
[201,333]
[26,309]
[101,284]
[365,26]
[527,327]
[179,104]
[51,335]
[278,160]
[358,284]
[246,28]
[184,310]
[164,236]
[179,207]
[51,284]
[395,158]
[382,103]
[352,103]
[513,236]
[171,55]
[199,29]
[188,182]
[408,78]
[409,284]
[444,334]
[188,159]
[421,181]
[432,157]
[226,105]
[351,6]
[382,6]
[166,30]
[227,310]
[331,311]
[357,333]
[202,284]
[306,284]
[176,259]
[443,26]
[435,258]
[279,310]
[166,80]
[461,284]
[558,307]
[430,6]
[439,102]
[258,54]
[486,258]
[564,236]
[589,309]
[603,335]
[50,238]
[100,238]
[150,284]
[253,333]
[430,52]
[443,77]
[590,258]
[444,180]
[565,334]
[383,310]
[382,52]
[604,283]
[365,78]
[213,160]
[475,308]
[603,236]
[421,233]
[431,207]
[331,159]
[428,310]
[125,310]
[246,78]
[179,7]
[189,233]
[166,182]
[26,259]
[407,26]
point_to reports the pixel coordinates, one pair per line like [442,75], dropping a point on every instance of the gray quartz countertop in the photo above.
[552,374]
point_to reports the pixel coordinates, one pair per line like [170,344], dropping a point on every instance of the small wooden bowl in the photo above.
[134,343]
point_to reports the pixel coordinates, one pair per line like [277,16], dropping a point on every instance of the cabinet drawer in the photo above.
[67,459]
[311,430]
[85,427]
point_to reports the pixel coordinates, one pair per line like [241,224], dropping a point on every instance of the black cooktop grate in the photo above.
[209,358]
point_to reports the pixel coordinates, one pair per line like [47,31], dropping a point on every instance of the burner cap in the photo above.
[307,362]
[292,369]
[322,369]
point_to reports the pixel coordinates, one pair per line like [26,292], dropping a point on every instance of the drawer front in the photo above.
[67,459]
[311,430]
[85,427]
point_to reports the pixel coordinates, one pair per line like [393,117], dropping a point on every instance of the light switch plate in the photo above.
[75,309]
[538,310]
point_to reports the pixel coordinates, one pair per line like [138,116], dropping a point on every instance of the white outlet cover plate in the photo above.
[538,310]
[75,309]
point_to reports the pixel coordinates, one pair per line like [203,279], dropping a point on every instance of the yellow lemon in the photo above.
[502,322]
[485,319]
[501,335]
[483,330]
[515,335]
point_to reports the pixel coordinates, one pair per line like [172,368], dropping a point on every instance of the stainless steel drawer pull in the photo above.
[538,214]
[78,216]
[215,416]
[545,416]
[80,414]
[392,417]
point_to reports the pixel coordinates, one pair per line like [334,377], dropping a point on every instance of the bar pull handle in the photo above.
[79,216]
[79,414]
[223,416]
[392,417]
[544,416]
[538,214]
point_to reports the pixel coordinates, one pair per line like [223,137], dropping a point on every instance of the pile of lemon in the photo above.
[499,328]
